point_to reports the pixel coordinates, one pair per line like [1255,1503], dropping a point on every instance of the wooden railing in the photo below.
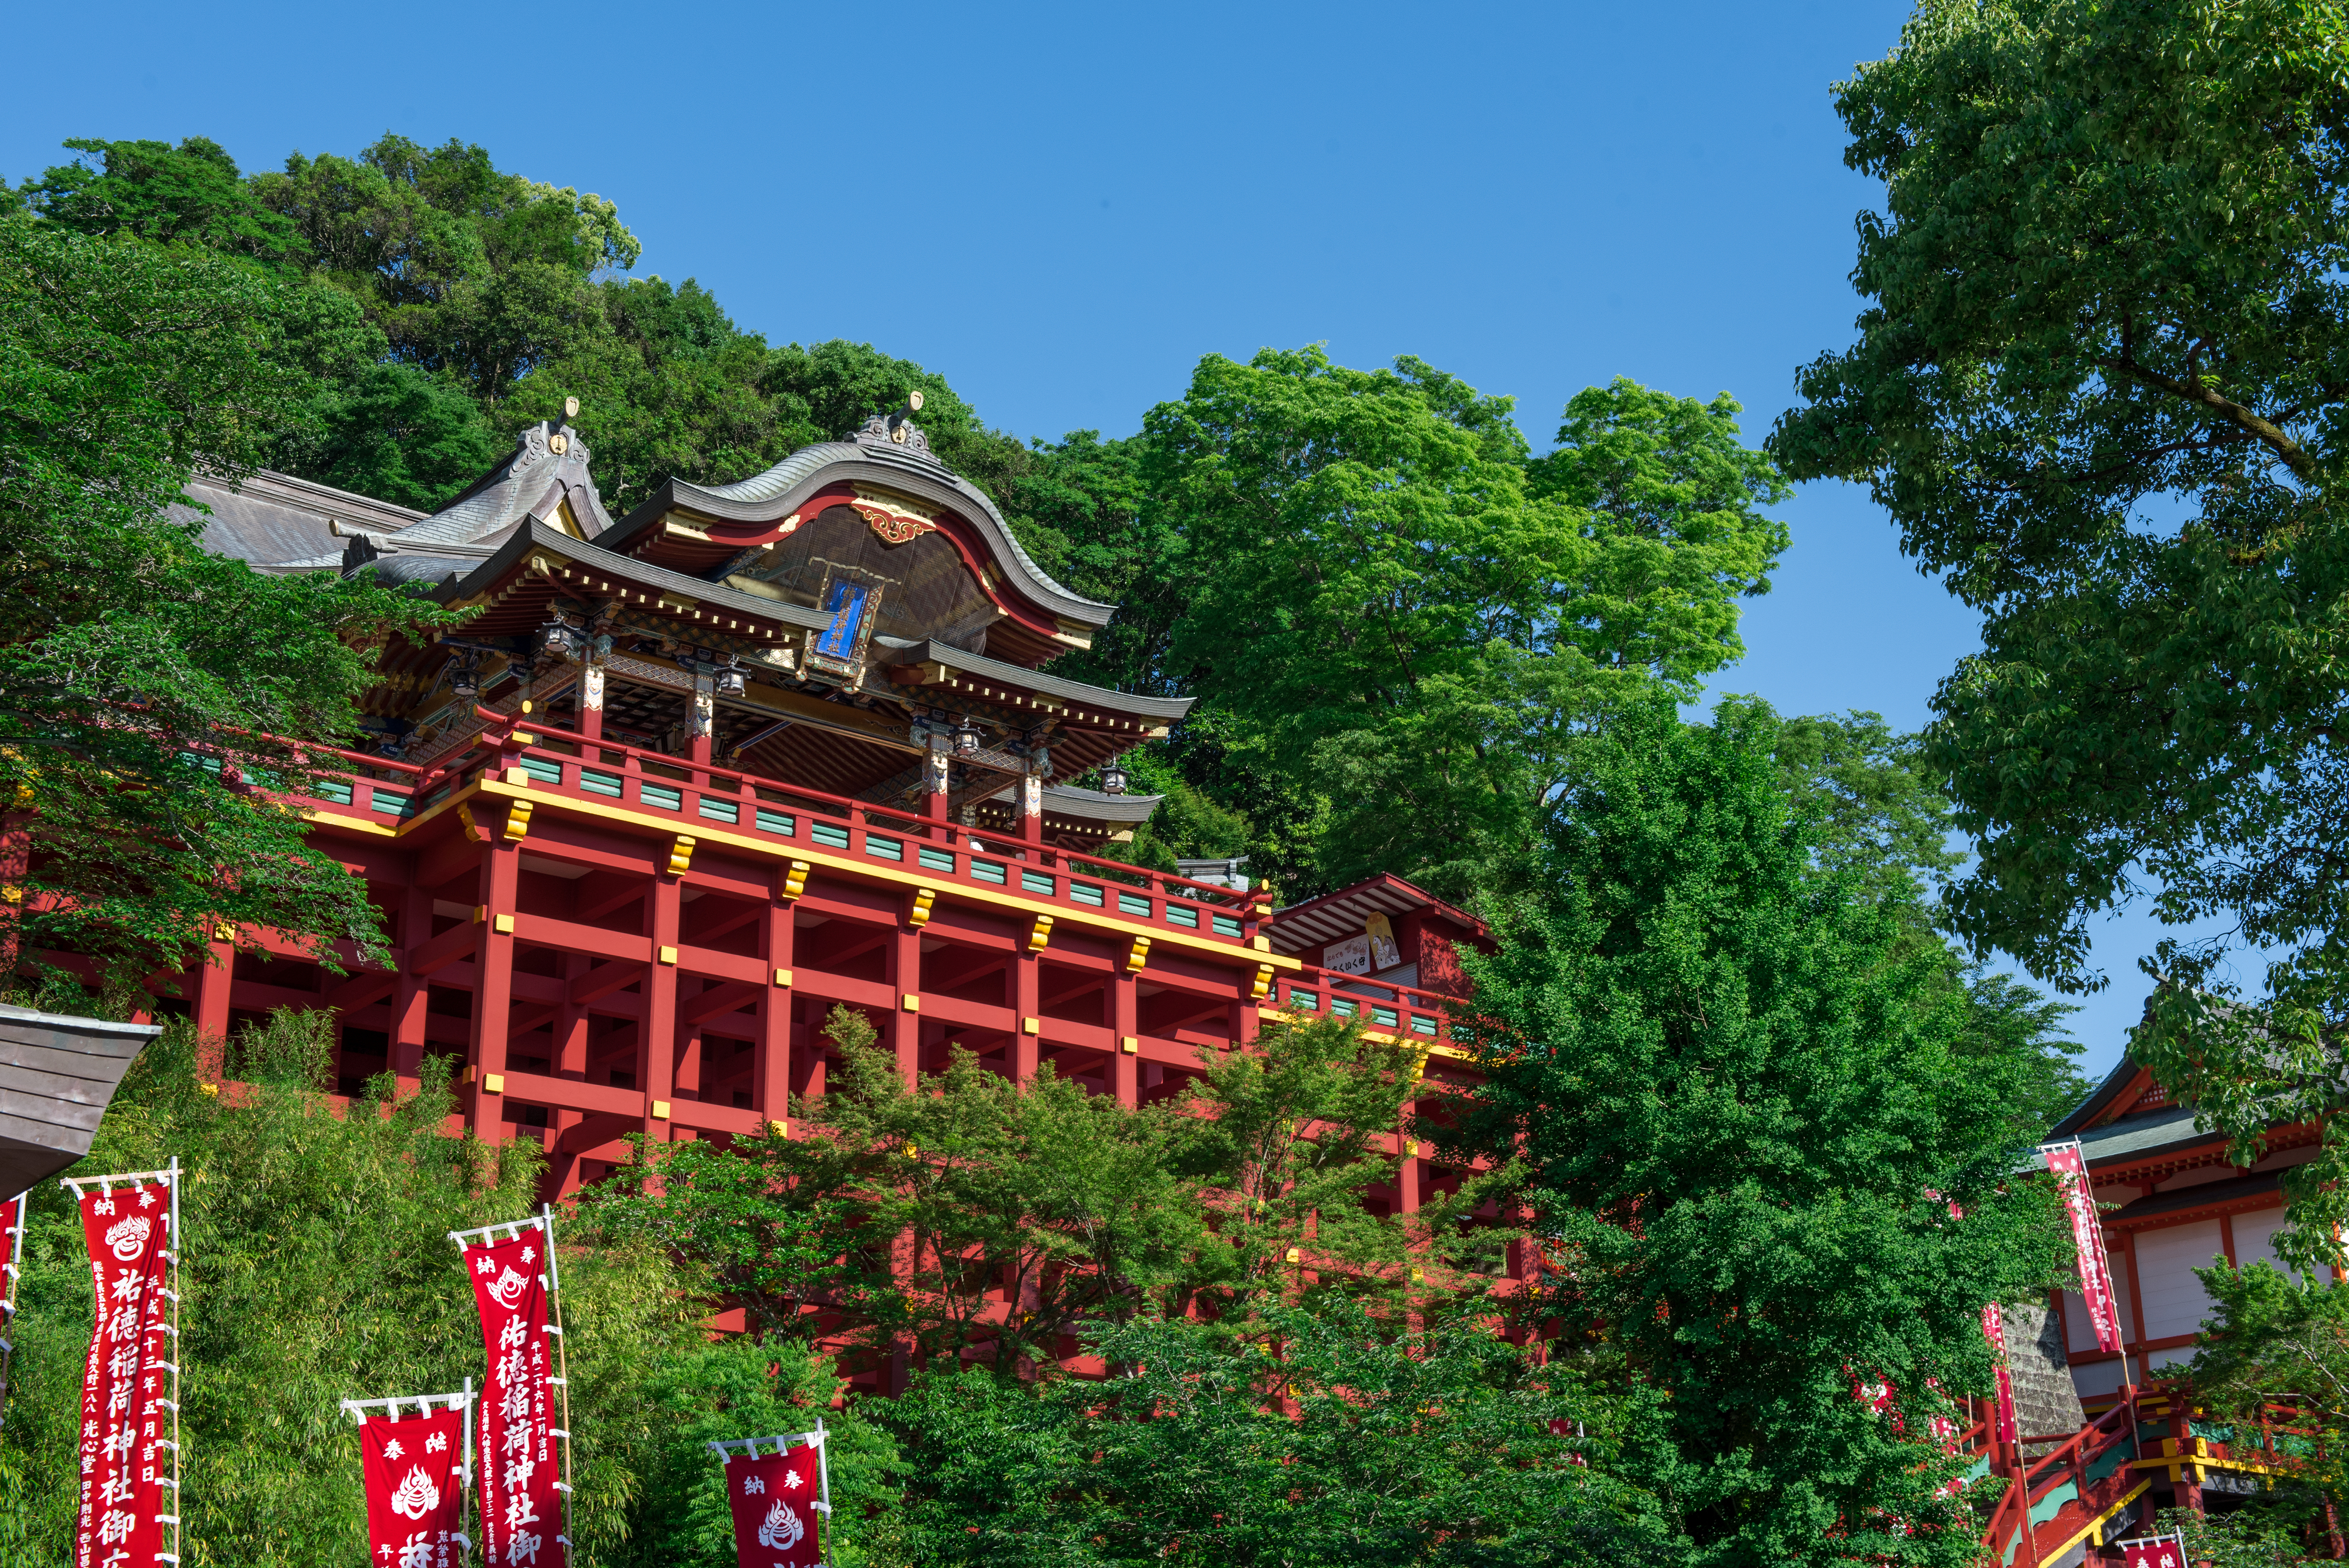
[985,864]
[1405,1012]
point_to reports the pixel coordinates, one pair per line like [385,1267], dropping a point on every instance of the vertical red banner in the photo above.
[11,1257]
[2088,1242]
[415,1490]
[1995,1330]
[522,1506]
[128,1233]
[773,1499]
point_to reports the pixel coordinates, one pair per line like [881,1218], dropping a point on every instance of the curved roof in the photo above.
[764,497]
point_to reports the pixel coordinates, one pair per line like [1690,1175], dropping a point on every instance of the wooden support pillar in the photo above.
[905,1032]
[571,1026]
[1030,796]
[411,993]
[1124,1022]
[657,1039]
[772,1070]
[214,976]
[1026,989]
[493,945]
[935,799]
[700,721]
[1407,1169]
[591,702]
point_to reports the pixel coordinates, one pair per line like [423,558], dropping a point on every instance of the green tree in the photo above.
[1406,618]
[188,194]
[150,692]
[1743,1117]
[1327,1442]
[2097,385]
[2275,1338]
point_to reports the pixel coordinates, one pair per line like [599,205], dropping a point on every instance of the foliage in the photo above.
[1327,1442]
[145,686]
[1744,1102]
[2247,1538]
[2097,385]
[973,1217]
[1377,586]
[2277,1337]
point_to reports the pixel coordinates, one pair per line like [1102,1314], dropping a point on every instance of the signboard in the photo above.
[2155,1551]
[1384,953]
[1351,956]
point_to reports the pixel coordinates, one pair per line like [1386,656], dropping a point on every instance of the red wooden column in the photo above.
[1407,1171]
[494,946]
[935,798]
[1125,1015]
[570,1063]
[214,978]
[410,993]
[1031,810]
[657,1040]
[1026,990]
[591,703]
[773,1068]
[904,1030]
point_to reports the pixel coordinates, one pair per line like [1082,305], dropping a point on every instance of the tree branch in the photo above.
[2194,391]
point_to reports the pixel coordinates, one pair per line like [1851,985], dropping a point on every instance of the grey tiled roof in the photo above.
[272,519]
[2172,1126]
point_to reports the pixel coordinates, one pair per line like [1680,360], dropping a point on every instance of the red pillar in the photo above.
[656,1040]
[591,702]
[1031,796]
[774,1069]
[213,979]
[493,945]
[905,1032]
[1026,989]
[1124,1022]
[410,993]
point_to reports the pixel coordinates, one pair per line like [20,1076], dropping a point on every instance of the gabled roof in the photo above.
[773,495]
[268,518]
[535,480]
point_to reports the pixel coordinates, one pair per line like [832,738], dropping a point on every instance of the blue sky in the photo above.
[1062,208]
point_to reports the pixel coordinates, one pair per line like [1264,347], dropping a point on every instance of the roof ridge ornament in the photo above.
[896,427]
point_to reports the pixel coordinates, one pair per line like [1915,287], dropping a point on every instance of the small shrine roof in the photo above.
[269,518]
[1333,916]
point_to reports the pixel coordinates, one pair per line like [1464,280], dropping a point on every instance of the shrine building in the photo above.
[687,780]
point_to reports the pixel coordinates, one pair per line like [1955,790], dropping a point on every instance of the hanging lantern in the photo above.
[730,681]
[465,678]
[559,640]
[1112,780]
[966,739]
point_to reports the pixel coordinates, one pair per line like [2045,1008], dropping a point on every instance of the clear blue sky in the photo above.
[1062,209]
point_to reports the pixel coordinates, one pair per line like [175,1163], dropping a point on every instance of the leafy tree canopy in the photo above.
[2099,385]
[146,686]
[1745,1100]
[1383,597]
[1331,1442]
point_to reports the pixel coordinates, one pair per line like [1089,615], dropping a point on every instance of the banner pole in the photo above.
[561,1362]
[466,1481]
[179,1278]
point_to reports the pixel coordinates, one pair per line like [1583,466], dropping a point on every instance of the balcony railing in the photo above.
[1405,1012]
[987,865]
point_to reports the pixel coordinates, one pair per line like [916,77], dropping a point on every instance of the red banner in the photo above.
[2088,1242]
[12,1256]
[521,1507]
[773,1499]
[128,1233]
[415,1490]
[1995,1330]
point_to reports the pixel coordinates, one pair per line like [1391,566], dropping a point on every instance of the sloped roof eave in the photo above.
[774,492]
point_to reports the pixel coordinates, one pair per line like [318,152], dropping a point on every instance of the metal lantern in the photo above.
[559,640]
[730,680]
[966,739]
[1112,780]
[465,678]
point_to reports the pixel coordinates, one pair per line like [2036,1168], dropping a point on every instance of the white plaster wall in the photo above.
[2175,1302]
